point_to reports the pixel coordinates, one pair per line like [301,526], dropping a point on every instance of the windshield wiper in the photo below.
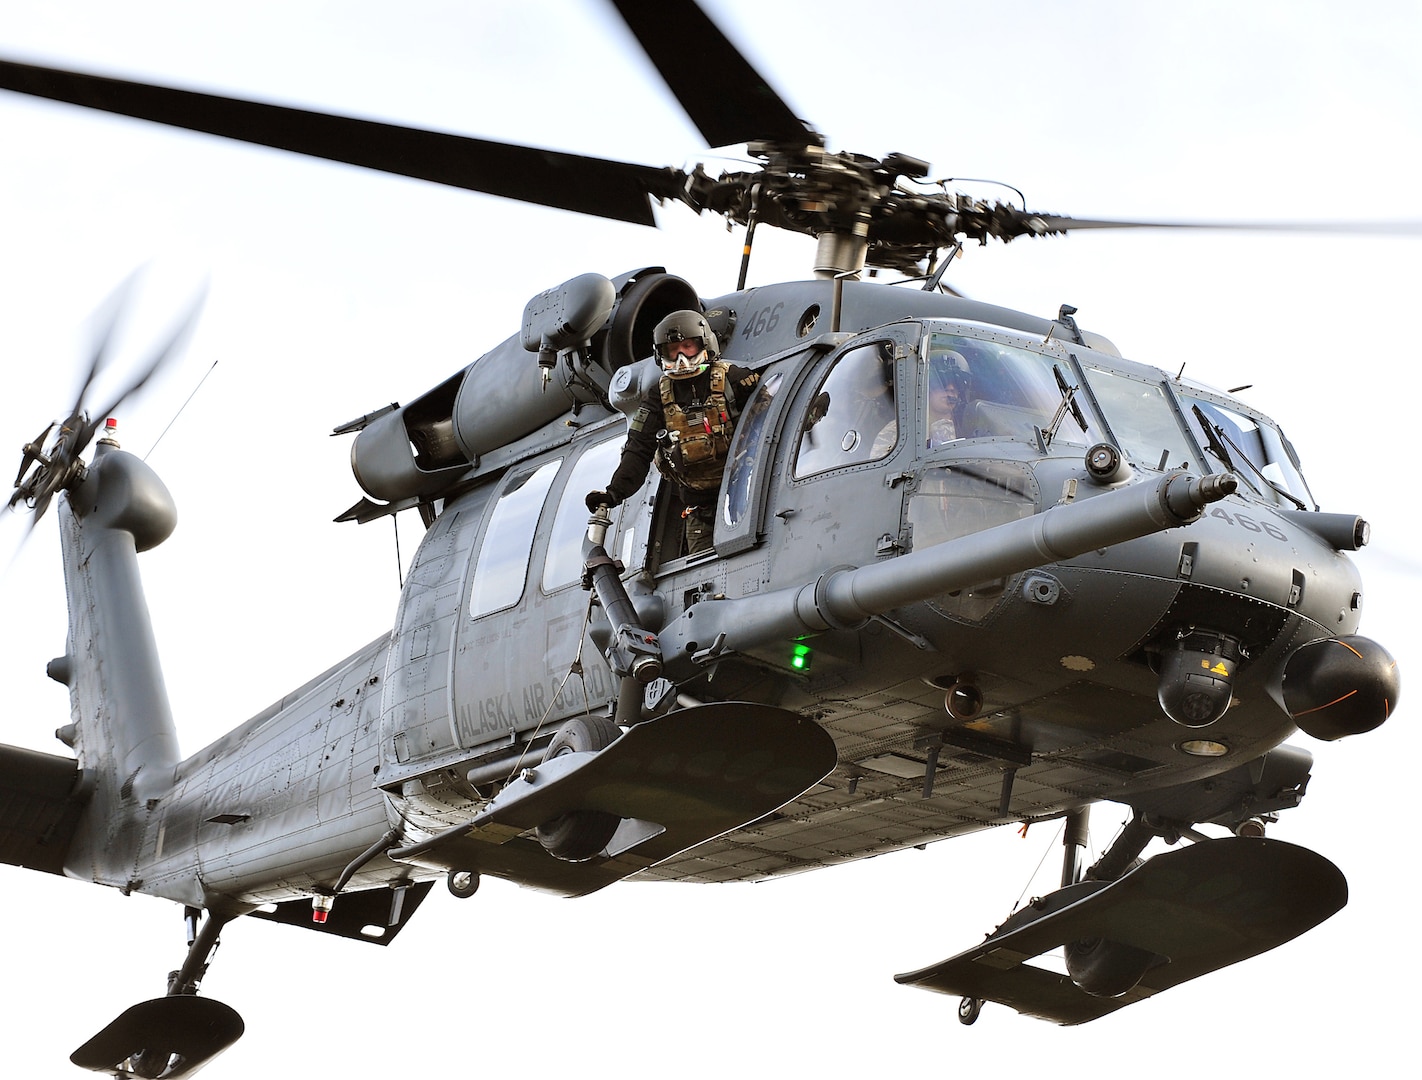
[1212,440]
[1214,433]
[1068,402]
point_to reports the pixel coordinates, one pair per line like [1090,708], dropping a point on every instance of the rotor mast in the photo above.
[842,252]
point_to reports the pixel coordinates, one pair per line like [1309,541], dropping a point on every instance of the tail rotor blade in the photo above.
[177,340]
[45,472]
[32,452]
[106,319]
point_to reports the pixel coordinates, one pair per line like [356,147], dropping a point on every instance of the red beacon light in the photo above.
[321,907]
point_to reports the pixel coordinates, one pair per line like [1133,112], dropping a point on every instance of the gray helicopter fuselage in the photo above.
[968,566]
[1065,655]
[835,465]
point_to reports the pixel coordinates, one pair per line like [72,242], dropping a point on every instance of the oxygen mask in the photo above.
[684,359]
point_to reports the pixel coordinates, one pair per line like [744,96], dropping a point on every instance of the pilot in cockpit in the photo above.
[947,394]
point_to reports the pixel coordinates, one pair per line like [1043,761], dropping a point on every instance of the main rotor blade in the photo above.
[1062,223]
[727,99]
[595,186]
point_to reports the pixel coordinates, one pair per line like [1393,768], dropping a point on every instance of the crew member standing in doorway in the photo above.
[684,423]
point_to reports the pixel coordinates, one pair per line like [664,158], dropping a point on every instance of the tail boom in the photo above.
[121,723]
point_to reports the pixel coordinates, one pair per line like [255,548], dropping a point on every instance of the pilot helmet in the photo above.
[681,326]
[947,367]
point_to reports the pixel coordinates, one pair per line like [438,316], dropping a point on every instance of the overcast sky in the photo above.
[331,292]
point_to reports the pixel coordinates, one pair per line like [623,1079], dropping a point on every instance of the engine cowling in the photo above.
[575,337]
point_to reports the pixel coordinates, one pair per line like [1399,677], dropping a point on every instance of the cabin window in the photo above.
[998,390]
[1143,419]
[853,416]
[564,563]
[502,566]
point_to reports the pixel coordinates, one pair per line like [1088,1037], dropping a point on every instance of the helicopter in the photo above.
[768,316]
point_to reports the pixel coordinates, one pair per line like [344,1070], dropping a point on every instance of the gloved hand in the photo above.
[595,499]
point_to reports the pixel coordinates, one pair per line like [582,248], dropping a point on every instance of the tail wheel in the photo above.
[463,883]
[579,835]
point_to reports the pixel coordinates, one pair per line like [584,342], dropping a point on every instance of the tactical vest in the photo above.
[698,437]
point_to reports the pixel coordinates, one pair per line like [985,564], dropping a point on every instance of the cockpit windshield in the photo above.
[979,384]
[1252,449]
[1145,418]
[980,388]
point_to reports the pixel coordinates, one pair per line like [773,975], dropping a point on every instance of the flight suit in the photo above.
[685,426]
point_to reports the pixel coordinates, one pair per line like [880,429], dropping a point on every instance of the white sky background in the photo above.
[332,292]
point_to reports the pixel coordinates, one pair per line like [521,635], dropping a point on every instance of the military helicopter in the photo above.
[823,650]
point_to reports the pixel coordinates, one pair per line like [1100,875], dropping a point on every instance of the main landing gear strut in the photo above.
[170,1036]
[635,658]
[1131,929]
[1098,966]
[1101,968]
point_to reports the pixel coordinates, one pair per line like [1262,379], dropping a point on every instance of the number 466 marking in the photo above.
[1248,524]
[763,321]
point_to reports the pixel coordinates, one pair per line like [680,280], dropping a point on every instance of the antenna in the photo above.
[181,409]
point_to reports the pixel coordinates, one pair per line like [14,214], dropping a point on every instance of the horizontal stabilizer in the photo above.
[1200,908]
[41,798]
[166,1037]
[374,915]
[696,773]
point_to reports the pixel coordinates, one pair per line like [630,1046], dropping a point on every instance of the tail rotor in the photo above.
[52,463]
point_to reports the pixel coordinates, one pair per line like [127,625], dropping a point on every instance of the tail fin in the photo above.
[121,724]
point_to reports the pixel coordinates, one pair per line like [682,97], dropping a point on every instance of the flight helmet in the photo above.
[681,361]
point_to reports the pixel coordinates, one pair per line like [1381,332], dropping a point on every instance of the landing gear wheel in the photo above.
[969,1009]
[463,883]
[579,835]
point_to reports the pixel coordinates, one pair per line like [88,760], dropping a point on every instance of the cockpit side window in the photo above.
[746,450]
[853,416]
[502,566]
[978,388]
